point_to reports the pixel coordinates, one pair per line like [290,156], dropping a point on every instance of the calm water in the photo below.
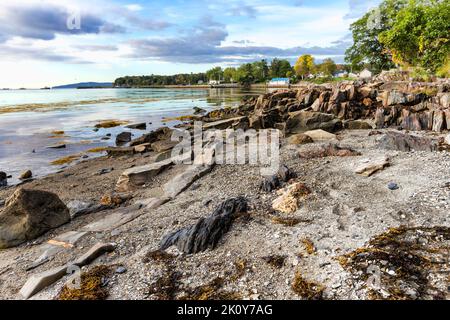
[28,117]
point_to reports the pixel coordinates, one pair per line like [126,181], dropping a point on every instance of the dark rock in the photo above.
[120,151]
[2,202]
[158,134]
[198,110]
[392,186]
[270,183]
[105,171]
[26,175]
[29,214]
[357,125]
[285,174]
[163,145]
[3,179]
[79,208]
[137,126]
[207,232]
[57,146]
[123,137]
[301,121]
[406,142]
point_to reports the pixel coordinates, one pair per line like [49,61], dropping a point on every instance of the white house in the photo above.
[279,82]
[365,74]
[214,82]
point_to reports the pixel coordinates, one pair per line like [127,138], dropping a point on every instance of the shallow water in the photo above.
[28,118]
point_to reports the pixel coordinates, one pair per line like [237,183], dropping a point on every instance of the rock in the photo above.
[270,183]
[137,126]
[289,198]
[285,174]
[198,110]
[438,121]
[320,135]
[447,139]
[123,137]
[29,214]
[93,253]
[163,145]
[372,167]
[222,124]
[2,202]
[207,232]
[120,151]
[138,176]
[121,270]
[379,118]
[57,146]
[182,181]
[392,186]
[300,138]
[152,203]
[158,134]
[42,280]
[105,171]
[115,219]
[328,150]
[393,140]
[26,175]
[142,148]
[3,179]
[79,208]
[357,125]
[301,121]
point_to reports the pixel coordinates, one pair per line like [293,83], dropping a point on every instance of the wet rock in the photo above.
[137,126]
[300,138]
[393,140]
[328,150]
[123,137]
[29,214]
[26,175]
[3,179]
[207,232]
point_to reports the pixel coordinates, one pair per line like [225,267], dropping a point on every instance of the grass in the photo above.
[92,286]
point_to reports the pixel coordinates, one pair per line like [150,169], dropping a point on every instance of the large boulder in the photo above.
[29,214]
[302,121]
[393,140]
[158,134]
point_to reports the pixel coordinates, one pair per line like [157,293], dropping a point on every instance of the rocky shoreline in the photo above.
[363,192]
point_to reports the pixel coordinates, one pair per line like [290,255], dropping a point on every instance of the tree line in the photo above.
[407,33]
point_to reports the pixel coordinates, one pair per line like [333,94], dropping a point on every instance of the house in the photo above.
[279,82]
[214,82]
[365,74]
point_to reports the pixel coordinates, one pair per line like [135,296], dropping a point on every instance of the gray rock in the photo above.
[40,281]
[393,140]
[26,175]
[3,179]
[207,232]
[121,270]
[29,214]
[198,110]
[392,186]
[138,126]
[105,171]
[57,146]
[79,208]
[182,181]
[158,134]
[301,121]
[93,253]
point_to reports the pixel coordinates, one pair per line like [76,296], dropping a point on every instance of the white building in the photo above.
[279,82]
[214,82]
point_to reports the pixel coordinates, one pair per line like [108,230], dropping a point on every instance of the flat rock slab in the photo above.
[221,124]
[182,181]
[96,251]
[138,176]
[371,167]
[320,135]
[115,219]
[152,203]
[394,140]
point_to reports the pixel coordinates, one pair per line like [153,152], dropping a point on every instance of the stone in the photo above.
[198,110]
[392,186]
[26,175]
[300,138]
[301,121]
[42,280]
[142,148]
[393,140]
[137,126]
[79,208]
[105,171]
[207,232]
[182,181]
[152,203]
[320,135]
[158,134]
[138,176]
[123,137]
[163,145]
[93,253]
[438,121]
[379,118]
[119,151]
[328,150]
[357,125]
[372,167]
[57,146]
[285,174]
[270,183]
[3,179]
[121,270]
[221,124]
[447,139]
[29,214]
[115,219]
[114,199]
[288,200]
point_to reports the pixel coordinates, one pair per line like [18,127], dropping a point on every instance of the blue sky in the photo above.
[117,38]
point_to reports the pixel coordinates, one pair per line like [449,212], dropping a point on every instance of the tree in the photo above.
[230,74]
[280,68]
[304,65]
[328,67]
[215,73]
[366,46]
[245,74]
[420,34]
[260,71]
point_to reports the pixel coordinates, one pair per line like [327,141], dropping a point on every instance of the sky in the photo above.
[54,42]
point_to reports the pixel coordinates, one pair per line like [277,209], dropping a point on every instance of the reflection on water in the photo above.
[28,117]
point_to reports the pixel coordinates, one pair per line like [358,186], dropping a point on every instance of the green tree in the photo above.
[328,67]
[215,74]
[280,68]
[245,74]
[260,71]
[304,65]
[230,74]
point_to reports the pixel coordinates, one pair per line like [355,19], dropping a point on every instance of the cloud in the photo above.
[44,22]
[134,7]
[95,47]
[203,45]
[243,10]
[359,7]
[31,53]
[131,17]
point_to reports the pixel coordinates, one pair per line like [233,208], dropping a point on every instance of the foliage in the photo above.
[159,80]
[304,65]
[281,69]
[327,67]
[215,74]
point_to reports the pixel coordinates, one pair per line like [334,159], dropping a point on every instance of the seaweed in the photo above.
[307,289]
[65,160]
[309,246]
[110,124]
[158,255]
[405,262]
[211,291]
[276,261]
[92,286]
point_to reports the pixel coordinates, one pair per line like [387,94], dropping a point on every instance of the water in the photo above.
[28,119]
